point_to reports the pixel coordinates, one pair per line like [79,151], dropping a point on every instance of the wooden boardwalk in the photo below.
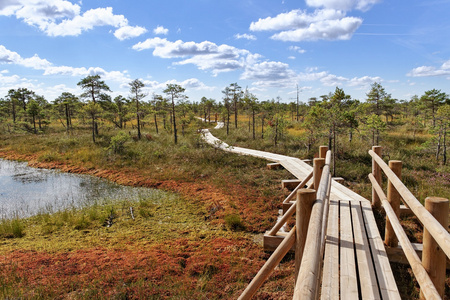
[355,264]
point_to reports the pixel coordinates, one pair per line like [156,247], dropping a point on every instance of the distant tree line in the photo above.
[333,116]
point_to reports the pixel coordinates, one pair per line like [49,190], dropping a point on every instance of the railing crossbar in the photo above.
[437,231]
[424,280]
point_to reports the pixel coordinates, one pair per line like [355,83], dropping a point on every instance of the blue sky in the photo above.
[267,46]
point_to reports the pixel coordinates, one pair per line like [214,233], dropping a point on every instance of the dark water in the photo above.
[25,191]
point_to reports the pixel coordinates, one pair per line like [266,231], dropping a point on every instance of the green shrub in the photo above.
[12,228]
[117,143]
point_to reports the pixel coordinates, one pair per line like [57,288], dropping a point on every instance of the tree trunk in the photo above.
[235,112]
[139,126]
[228,120]
[67,117]
[253,116]
[34,124]
[174,122]
[330,138]
[13,111]
[444,159]
[138,118]
[438,148]
[262,128]
[93,129]
[156,124]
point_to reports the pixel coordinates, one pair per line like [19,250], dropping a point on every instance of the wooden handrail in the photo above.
[283,219]
[424,280]
[270,264]
[437,231]
[309,275]
[293,194]
[291,209]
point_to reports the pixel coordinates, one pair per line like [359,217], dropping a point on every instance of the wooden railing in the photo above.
[307,281]
[430,272]
[312,212]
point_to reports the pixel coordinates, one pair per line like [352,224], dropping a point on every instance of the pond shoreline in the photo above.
[192,190]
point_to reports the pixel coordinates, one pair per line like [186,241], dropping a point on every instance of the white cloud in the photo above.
[191,84]
[270,74]
[11,57]
[364,81]
[127,32]
[298,25]
[34,12]
[342,29]
[205,55]
[328,79]
[295,19]
[161,30]
[9,80]
[37,63]
[245,36]
[333,80]
[63,18]
[90,19]
[297,49]
[346,5]
[428,71]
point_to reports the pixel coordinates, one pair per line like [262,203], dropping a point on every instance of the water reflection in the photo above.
[25,191]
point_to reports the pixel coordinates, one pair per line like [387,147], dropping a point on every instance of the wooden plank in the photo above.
[274,166]
[349,194]
[270,243]
[348,280]
[290,184]
[330,280]
[367,276]
[386,281]
[397,254]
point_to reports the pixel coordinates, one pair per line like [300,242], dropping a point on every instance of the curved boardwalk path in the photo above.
[355,264]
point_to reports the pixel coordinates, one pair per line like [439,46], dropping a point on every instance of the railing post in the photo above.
[394,199]
[318,165]
[323,151]
[376,172]
[305,200]
[433,258]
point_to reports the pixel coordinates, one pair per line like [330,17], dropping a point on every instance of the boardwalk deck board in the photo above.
[330,280]
[366,272]
[355,261]
[348,277]
[386,280]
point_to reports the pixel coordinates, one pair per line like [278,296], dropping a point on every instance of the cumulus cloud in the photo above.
[295,19]
[161,30]
[342,29]
[428,71]
[11,57]
[346,5]
[87,21]
[63,18]
[298,25]
[35,62]
[270,74]
[333,80]
[205,55]
[245,36]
